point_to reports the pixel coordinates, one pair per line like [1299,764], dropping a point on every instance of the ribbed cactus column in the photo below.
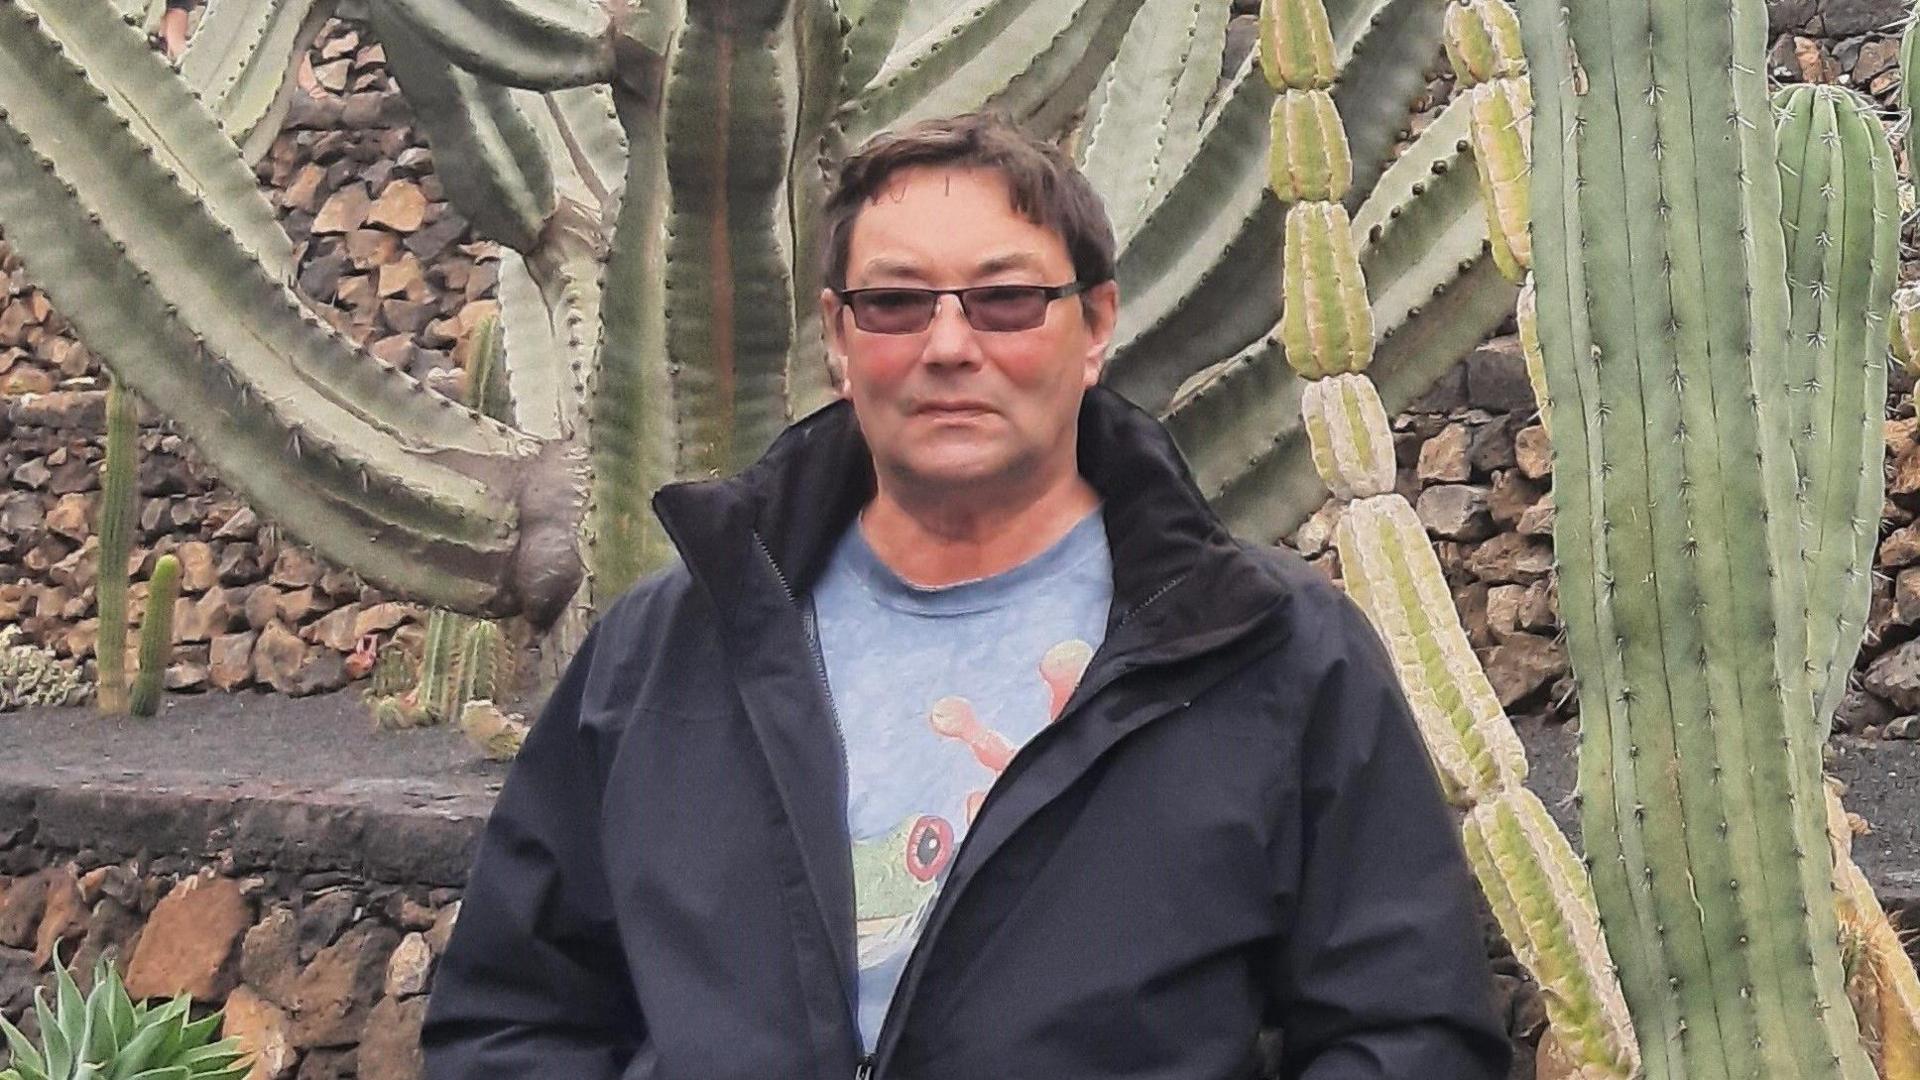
[1661,271]
[1525,865]
[1841,216]
[1483,44]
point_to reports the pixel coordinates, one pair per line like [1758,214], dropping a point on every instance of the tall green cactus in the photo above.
[656,170]
[1526,867]
[156,638]
[1678,533]
[113,524]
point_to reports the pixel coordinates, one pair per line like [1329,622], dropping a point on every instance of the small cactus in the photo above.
[487,392]
[113,523]
[479,649]
[156,638]
[439,681]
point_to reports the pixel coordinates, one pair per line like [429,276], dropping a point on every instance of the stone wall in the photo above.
[314,918]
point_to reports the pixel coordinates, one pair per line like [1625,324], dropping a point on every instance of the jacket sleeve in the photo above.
[532,983]
[1384,971]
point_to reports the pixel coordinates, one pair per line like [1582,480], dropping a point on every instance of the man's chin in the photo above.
[958,471]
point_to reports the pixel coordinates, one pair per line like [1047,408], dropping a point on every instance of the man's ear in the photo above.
[1102,311]
[830,308]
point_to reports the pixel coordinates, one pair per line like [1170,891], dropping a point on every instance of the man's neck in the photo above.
[934,542]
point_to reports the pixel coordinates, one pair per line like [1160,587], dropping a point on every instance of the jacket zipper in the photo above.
[869,1068]
[863,1069]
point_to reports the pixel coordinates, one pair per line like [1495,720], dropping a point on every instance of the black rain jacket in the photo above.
[1233,824]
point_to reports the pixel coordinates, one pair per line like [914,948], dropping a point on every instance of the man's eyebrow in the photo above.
[887,266]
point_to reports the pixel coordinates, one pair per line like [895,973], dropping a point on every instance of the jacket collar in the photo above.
[806,490]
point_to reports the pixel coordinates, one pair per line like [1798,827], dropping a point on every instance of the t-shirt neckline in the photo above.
[1084,541]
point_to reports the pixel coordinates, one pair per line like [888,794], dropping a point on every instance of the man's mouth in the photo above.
[953,408]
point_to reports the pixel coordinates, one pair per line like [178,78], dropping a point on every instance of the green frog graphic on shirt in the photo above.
[897,875]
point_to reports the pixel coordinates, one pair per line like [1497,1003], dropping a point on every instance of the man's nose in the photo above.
[950,338]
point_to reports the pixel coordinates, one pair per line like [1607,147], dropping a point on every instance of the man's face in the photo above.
[952,408]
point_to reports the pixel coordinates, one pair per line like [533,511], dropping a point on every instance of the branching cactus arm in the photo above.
[413,490]
[244,59]
[534,44]
[139,88]
[1035,60]
[1153,99]
[1435,295]
[494,166]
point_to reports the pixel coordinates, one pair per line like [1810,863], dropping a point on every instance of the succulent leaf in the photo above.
[1390,568]
[1502,128]
[1545,906]
[1347,429]
[1326,325]
[1309,148]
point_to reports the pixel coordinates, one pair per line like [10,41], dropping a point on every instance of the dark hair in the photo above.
[1046,187]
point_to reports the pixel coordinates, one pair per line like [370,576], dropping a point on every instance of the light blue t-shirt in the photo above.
[934,690]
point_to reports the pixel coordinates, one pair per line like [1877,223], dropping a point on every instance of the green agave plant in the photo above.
[654,171]
[106,1036]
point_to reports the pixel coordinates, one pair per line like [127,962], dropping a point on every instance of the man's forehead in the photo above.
[900,264]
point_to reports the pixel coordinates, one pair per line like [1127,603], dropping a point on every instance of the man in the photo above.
[965,743]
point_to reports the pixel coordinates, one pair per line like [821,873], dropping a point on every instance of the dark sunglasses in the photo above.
[993,308]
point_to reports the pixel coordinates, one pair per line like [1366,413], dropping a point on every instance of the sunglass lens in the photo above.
[1010,307]
[893,311]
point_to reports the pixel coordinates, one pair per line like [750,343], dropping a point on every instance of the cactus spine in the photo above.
[1525,866]
[113,524]
[156,638]
[1664,337]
